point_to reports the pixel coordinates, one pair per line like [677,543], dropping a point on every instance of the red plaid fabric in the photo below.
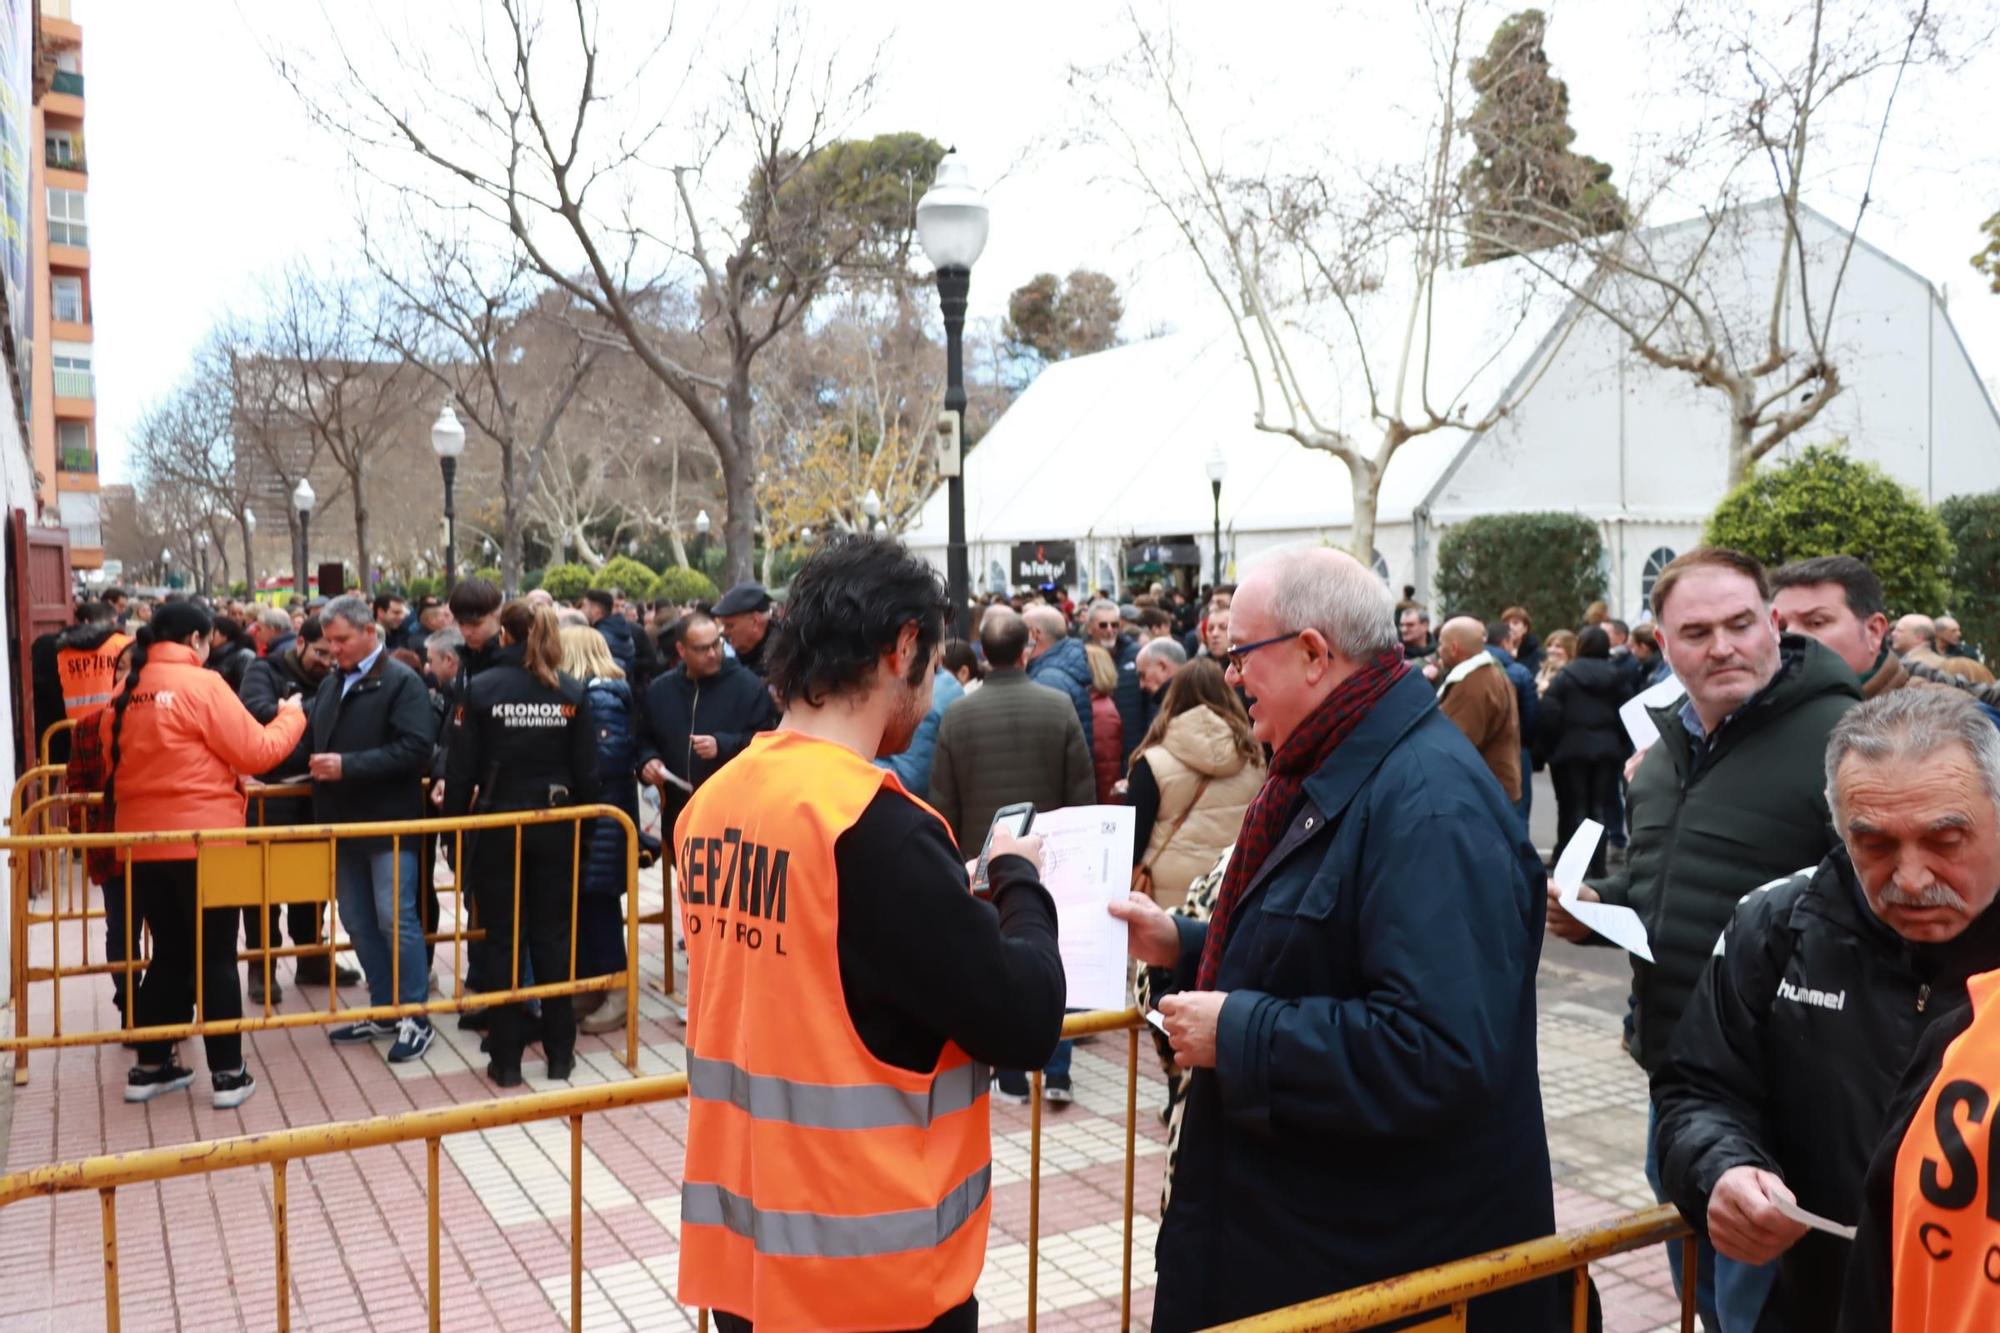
[1302,755]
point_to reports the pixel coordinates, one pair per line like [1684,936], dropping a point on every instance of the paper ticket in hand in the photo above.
[1620,925]
[1638,722]
[1157,1019]
[1813,1220]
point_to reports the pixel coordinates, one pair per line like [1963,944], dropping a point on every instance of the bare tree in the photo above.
[187,443]
[539,138]
[1322,266]
[1705,299]
[484,330]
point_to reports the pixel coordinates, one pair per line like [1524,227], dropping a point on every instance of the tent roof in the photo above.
[1117,443]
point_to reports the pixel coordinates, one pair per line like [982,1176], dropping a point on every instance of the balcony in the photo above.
[63,81]
[77,460]
[64,157]
[75,384]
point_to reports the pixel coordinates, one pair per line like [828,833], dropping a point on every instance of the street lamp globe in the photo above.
[250,521]
[951,217]
[1218,467]
[806,536]
[447,436]
[166,555]
[871,504]
[201,540]
[701,523]
[881,528]
[303,497]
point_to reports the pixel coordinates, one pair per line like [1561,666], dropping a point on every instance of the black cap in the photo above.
[743,598]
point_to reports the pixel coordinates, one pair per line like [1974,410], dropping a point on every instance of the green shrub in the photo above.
[1974,524]
[1825,503]
[566,583]
[622,571]
[422,587]
[681,585]
[490,574]
[1551,563]
[531,580]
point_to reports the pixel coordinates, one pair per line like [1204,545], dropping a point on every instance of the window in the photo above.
[72,370]
[66,299]
[73,452]
[59,149]
[79,513]
[67,224]
[1656,562]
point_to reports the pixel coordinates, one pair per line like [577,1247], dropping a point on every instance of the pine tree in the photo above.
[1525,188]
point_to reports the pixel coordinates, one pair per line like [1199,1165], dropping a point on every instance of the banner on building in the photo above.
[1036,563]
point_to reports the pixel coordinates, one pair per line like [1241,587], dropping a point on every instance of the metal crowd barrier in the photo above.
[258,868]
[49,737]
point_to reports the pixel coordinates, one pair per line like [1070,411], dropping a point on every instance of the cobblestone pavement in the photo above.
[197,1253]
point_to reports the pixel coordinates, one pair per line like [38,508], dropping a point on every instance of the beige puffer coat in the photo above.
[1197,745]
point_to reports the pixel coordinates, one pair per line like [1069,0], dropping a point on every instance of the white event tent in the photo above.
[1104,458]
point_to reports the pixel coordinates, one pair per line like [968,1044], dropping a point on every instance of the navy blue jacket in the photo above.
[1525,694]
[1065,668]
[913,766]
[1375,1106]
[617,632]
[612,724]
[731,706]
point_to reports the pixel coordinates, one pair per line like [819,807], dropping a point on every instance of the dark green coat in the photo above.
[1753,810]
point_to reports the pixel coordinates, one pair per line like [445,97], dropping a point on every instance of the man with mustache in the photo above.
[1778,1082]
[1731,796]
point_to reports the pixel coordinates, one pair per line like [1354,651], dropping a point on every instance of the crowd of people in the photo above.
[1337,910]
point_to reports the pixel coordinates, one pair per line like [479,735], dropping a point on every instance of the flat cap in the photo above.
[742,599]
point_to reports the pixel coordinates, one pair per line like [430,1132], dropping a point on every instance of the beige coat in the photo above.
[1198,744]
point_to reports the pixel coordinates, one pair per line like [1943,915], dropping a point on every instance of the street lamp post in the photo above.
[951,226]
[250,550]
[871,509]
[448,442]
[1218,467]
[201,561]
[167,565]
[700,538]
[302,500]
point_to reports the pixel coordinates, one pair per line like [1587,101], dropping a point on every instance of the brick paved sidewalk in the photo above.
[197,1253]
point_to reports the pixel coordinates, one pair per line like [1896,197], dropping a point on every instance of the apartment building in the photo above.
[62,393]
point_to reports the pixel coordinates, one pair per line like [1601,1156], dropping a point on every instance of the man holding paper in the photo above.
[1777,1085]
[1730,796]
[1358,1012]
[846,993]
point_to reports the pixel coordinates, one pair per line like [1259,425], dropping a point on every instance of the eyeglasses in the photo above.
[1237,654]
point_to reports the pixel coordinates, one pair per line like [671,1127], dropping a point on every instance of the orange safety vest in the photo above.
[1945,1239]
[87,676]
[823,1188]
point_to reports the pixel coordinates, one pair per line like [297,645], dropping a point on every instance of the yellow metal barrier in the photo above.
[107,1174]
[48,739]
[225,856]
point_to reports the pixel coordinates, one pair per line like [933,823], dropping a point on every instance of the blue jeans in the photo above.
[1526,804]
[377,891]
[1728,1294]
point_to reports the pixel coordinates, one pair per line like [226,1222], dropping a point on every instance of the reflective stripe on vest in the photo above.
[825,1189]
[825,1106]
[827,1236]
[1944,1241]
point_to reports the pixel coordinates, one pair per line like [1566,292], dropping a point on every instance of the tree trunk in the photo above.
[1742,443]
[739,471]
[1366,483]
[510,521]
[674,505]
[249,551]
[364,566]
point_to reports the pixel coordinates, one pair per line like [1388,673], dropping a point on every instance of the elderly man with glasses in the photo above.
[698,716]
[1359,1012]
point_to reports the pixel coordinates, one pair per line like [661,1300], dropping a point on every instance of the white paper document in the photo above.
[1813,1220]
[1086,865]
[1620,925]
[1157,1019]
[1638,722]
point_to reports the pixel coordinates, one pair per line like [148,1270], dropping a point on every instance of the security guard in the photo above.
[87,656]
[523,741]
[846,994]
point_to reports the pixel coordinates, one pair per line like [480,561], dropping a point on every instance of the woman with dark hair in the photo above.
[230,651]
[962,662]
[179,740]
[1192,778]
[524,742]
[1580,737]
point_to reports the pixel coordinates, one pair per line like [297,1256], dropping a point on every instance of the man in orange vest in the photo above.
[87,656]
[847,996]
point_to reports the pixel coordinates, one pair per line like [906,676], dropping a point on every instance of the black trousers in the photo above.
[302,926]
[959,1319]
[547,885]
[164,898]
[116,947]
[1583,789]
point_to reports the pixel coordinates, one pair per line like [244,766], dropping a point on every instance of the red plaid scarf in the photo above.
[1302,755]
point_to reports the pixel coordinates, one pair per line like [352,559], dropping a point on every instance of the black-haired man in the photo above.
[600,608]
[698,716]
[807,872]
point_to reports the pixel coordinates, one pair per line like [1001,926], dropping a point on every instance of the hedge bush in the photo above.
[623,571]
[1551,562]
[1826,503]
[566,582]
[490,574]
[1974,524]
[422,586]
[681,585]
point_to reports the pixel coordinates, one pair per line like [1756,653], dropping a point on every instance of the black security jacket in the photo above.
[1789,1053]
[523,744]
[382,730]
[733,705]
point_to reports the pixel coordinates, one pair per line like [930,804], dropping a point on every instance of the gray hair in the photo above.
[272,618]
[352,608]
[1332,592]
[1166,650]
[1914,723]
[447,640]
[1102,604]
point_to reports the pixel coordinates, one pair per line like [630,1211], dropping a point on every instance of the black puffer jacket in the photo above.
[731,706]
[1789,1054]
[268,682]
[1577,721]
[382,730]
[1711,823]
[520,744]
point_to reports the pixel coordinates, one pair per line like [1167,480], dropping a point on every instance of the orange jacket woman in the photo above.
[178,738]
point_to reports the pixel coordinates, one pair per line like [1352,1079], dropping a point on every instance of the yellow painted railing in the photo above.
[258,868]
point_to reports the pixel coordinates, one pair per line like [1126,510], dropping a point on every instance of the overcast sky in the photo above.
[206,175]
